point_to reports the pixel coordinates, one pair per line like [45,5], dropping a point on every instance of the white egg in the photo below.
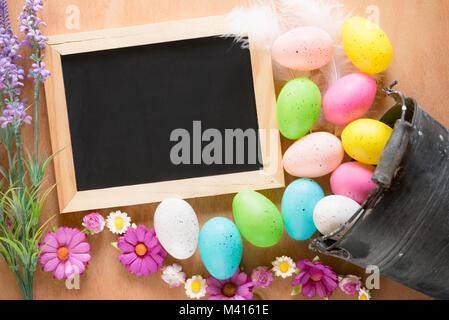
[176,226]
[331,212]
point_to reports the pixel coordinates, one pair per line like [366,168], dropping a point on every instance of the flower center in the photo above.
[315,278]
[140,249]
[363,297]
[195,286]
[284,267]
[63,253]
[118,222]
[229,290]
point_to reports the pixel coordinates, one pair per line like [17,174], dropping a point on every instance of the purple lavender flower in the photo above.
[14,113]
[11,74]
[30,23]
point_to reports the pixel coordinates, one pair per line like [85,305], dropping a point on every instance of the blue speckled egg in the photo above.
[298,202]
[220,246]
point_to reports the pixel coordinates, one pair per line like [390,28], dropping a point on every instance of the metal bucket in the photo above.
[403,225]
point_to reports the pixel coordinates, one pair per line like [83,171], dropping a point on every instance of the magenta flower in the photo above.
[142,252]
[65,252]
[94,222]
[350,284]
[261,277]
[315,278]
[235,288]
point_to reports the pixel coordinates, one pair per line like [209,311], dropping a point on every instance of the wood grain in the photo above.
[417,30]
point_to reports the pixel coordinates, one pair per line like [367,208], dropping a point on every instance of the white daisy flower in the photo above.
[283,266]
[196,287]
[118,222]
[173,275]
[364,294]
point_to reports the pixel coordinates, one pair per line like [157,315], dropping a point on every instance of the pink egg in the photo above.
[349,98]
[353,180]
[314,155]
[303,48]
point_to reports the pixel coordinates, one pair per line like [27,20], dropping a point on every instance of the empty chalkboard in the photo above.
[143,121]
[123,105]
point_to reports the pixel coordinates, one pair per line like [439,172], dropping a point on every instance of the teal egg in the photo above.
[298,202]
[220,246]
[298,107]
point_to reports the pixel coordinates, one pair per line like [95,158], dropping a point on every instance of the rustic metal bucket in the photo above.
[403,225]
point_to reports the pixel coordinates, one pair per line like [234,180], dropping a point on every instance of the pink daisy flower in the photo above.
[65,252]
[315,278]
[142,251]
[235,288]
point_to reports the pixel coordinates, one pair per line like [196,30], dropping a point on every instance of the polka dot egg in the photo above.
[176,226]
[303,49]
[314,155]
[366,45]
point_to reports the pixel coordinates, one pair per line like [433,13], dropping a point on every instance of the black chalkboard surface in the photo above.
[124,103]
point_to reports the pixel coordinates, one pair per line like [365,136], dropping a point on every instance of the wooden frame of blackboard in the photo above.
[71,200]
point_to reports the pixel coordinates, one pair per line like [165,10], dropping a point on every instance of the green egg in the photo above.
[298,107]
[257,218]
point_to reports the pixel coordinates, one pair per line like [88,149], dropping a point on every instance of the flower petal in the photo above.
[83,257]
[301,278]
[136,267]
[320,289]
[131,236]
[151,264]
[77,238]
[241,279]
[301,265]
[127,258]
[141,232]
[78,266]
[59,271]
[213,290]
[316,273]
[124,245]
[51,264]
[45,257]
[211,281]
[308,289]
[83,247]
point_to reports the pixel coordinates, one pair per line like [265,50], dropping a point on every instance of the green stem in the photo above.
[36,109]
[18,134]
[36,121]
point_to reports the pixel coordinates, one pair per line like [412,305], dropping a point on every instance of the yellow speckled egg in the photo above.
[366,45]
[365,139]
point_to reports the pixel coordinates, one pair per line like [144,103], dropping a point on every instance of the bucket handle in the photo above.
[386,170]
[396,146]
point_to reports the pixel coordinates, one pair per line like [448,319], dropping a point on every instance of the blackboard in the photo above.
[117,97]
[124,103]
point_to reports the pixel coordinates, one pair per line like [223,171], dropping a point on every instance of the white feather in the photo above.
[259,22]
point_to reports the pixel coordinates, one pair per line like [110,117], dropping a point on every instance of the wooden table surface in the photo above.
[418,32]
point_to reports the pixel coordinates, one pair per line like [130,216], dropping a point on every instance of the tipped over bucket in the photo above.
[403,226]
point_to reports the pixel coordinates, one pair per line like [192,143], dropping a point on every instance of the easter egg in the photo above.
[298,202]
[176,227]
[353,180]
[303,49]
[257,218]
[220,246]
[332,212]
[314,155]
[298,107]
[349,98]
[365,139]
[366,45]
